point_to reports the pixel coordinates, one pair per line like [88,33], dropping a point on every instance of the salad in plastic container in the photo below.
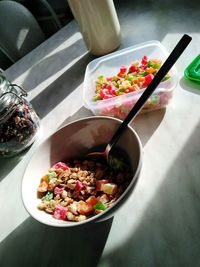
[113,83]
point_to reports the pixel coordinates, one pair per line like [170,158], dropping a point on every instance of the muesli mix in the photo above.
[83,188]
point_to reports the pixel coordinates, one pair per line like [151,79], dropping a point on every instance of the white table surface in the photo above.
[160,223]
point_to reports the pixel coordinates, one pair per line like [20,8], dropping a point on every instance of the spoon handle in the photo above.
[169,62]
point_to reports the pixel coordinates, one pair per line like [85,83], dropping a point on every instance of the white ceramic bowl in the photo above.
[71,141]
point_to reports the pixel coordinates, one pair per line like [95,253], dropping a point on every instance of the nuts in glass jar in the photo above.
[18,124]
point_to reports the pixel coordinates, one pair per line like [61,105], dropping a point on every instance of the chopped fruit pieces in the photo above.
[139,73]
[81,189]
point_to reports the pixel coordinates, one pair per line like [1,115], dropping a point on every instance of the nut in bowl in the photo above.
[113,83]
[90,191]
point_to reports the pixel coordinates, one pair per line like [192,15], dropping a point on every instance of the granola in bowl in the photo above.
[81,189]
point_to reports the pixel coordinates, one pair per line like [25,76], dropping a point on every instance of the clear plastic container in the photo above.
[109,65]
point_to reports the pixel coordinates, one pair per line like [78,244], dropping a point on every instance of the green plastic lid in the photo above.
[192,72]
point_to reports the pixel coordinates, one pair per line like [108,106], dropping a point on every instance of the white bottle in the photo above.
[98,24]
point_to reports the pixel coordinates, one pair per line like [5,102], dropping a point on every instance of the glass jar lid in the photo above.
[7,86]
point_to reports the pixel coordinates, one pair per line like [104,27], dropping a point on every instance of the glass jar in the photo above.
[19,122]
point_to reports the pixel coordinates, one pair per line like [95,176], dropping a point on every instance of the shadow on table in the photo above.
[8,164]
[145,124]
[190,86]
[81,113]
[34,244]
[168,232]
[58,90]
[52,64]
[45,49]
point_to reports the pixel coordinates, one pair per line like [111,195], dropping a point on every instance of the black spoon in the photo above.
[169,62]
